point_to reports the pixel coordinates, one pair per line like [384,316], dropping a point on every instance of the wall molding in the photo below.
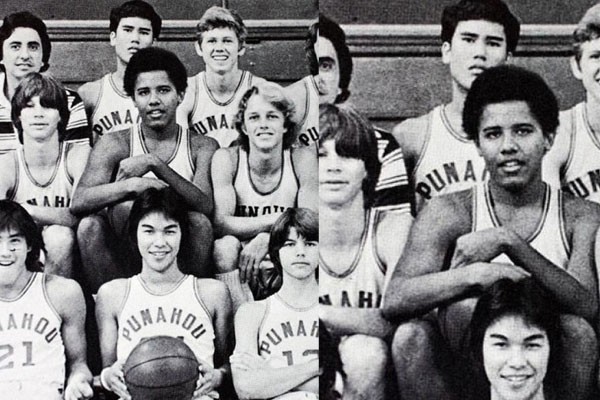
[424,40]
[176,30]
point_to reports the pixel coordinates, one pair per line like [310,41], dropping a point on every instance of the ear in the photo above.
[509,57]
[112,38]
[197,48]
[446,52]
[549,141]
[575,68]
[180,96]
[242,51]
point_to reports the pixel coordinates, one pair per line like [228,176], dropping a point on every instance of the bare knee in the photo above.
[89,228]
[363,355]
[411,338]
[225,253]
[577,331]
[59,240]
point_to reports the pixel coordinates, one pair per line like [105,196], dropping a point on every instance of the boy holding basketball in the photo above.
[162,300]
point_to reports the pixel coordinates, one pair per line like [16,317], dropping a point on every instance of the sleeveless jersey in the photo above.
[448,162]
[114,110]
[287,335]
[32,353]
[362,284]
[581,174]
[181,161]
[54,193]
[214,118]
[77,130]
[549,238]
[178,313]
[308,130]
[252,203]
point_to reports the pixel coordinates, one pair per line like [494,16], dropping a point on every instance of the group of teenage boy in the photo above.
[500,237]
[133,194]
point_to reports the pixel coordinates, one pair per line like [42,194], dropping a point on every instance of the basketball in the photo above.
[161,367]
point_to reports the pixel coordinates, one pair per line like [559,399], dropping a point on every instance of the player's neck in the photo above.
[223,84]
[531,193]
[454,109]
[13,280]
[159,279]
[42,153]
[118,75]
[265,161]
[168,132]
[341,224]
[299,293]
[10,86]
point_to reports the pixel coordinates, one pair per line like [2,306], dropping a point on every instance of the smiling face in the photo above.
[512,143]
[299,257]
[515,358]
[587,69]
[156,98]
[263,123]
[340,178]
[38,122]
[158,238]
[476,46]
[132,34]
[22,52]
[13,249]
[220,49]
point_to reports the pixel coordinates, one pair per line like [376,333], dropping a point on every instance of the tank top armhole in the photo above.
[373,219]
[13,191]
[65,148]
[292,165]
[263,320]
[127,292]
[475,194]
[197,80]
[199,297]
[571,133]
[236,163]
[425,144]
[98,99]
[190,152]
[133,132]
[562,223]
[44,277]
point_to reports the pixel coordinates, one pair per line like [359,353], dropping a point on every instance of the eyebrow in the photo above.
[535,336]
[326,58]
[487,37]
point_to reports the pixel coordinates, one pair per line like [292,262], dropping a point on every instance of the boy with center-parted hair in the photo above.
[134,25]
[268,361]
[155,153]
[43,173]
[42,315]
[212,98]
[513,226]
[25,48]
[574,162]
[439,157]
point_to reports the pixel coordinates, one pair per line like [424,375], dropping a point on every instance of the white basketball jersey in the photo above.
[252,203]
[178,313]
[581,174]
[362,284]
[448,162]
[215,118]
[32,353]
[114,110]
[308,131]
[549,237]
[181,161]
[54,193]
[288,335]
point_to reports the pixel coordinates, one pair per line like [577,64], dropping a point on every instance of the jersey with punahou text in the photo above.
[179,313]
[214,118]
[581,174]
[56,192]
[114,110]
[181,160]
[549,237]
[308,131]
[287,335]
[32,353]
[250,202]
[448,162]
[362,284]
[77,130]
